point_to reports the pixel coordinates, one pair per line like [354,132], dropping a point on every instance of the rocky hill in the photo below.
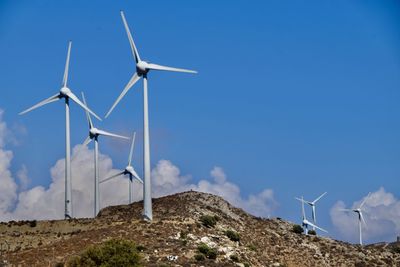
[189,229]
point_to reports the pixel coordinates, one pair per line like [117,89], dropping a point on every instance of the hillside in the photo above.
[177,230]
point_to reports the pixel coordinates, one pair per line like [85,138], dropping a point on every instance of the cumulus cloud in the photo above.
[382,215]
[168,180]
[18,202]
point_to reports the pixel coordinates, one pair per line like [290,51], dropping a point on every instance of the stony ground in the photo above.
[172,239]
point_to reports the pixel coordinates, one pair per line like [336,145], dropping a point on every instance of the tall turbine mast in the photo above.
[142,69]
[94,134]
[67,94]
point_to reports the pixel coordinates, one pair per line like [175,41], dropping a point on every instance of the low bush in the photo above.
[297,229]
[208,220]
[312,232]
[199,257]
[111,253]
[210,253]
[234,258]
[232,235]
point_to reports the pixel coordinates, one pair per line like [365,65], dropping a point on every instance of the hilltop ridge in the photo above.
[183,222]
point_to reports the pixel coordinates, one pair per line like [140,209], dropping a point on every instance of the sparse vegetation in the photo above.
[396,249]
[111,253]
[208,220]
[32,223]
[252,247]
[199,257]
[297,229]
[232,235]
[208,252]
[312,232]
[234,258]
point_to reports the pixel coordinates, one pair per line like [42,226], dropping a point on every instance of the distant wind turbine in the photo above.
[359,212]
[305,222]
[142,69]
[94,134]
[312,204]
[67,94]
[129,170]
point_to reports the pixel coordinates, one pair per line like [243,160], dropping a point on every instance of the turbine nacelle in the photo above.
[142,67]
[65,92]
[93,132]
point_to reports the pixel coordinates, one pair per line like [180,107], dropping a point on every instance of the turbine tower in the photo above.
[128,170]
[312,204]
[94,134]
[359,212]
[67,94]
[305,222]
[142,70]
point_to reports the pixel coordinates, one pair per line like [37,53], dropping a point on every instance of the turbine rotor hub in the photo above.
[65,91]
[93,131]
[141,67]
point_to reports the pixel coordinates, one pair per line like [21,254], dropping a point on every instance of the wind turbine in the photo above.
[142,69]
[67,94]
[312,204]
[94,134]
[305,222]
[129,170]
[359,212]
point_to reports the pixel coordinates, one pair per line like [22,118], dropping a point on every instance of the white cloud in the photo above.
[382,215]
[21,203]
[167,180]
[8,187]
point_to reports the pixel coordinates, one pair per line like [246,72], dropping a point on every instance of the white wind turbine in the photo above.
[65,93]
[312,204]
[129,170]
[359,212]
[305,222]
[142,69]
[94,134]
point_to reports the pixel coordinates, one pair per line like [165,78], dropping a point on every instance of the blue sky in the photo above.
[298,96]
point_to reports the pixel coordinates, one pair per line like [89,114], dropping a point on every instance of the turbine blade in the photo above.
[302,208]
[65,79]
[101,132]
[112,177]
[89,119]
[318,198]
[42,103]
[165,68]
[131,152]
[131,82]
[77,101]
[365,199]
[87,141]
[134,174]
[313,225]
[134,50]
[363,220]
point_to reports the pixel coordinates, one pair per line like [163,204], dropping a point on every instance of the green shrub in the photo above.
[208,220]
[199,257]
[234,258]
[32,223]
[312,232]
[297,229]
[252,247]
[396,249]
[246,264]
[111,253]
[210,253]
[232,235]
